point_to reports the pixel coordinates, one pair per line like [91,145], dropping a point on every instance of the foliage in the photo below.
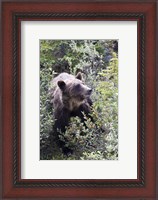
[97,139]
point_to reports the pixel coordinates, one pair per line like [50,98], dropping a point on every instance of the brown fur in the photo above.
[70,97]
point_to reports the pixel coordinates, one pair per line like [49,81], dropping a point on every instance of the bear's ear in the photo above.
[79,76]
[62,85]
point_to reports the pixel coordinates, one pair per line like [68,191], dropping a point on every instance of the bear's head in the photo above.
[74,91]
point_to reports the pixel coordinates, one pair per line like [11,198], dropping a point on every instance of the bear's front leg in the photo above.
[62,119]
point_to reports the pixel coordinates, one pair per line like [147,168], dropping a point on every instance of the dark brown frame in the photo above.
[144,187]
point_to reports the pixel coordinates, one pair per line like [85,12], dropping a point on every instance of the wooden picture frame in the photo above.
[144,187]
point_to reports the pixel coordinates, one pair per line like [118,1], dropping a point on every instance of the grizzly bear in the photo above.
[70,98]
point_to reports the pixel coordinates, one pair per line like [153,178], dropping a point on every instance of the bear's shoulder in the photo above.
[63,76]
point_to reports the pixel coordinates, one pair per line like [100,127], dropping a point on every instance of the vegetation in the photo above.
[98,61]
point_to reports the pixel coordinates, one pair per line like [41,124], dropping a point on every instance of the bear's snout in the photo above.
[89,91]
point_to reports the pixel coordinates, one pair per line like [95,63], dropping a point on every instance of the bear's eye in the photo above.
[77,87]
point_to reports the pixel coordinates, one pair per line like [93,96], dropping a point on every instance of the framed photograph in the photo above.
[79,100]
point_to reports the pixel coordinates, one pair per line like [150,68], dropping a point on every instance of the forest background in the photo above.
[98,62]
